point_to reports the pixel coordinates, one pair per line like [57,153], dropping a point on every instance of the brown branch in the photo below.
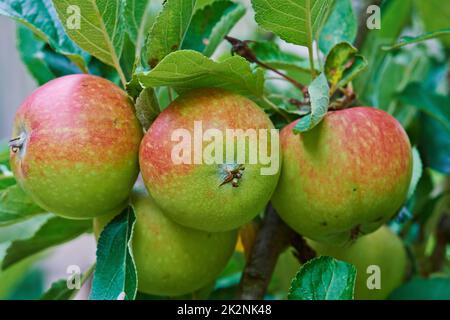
[272,239]
[438,256]
[241,48]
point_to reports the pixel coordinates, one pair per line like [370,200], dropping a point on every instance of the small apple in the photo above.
[221,193]
[344,178]
[75,146]
[382,249]
[171,259]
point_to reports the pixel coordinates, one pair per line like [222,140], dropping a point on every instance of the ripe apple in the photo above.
[344,178]
[212,196]
[171,259]
[383,249]
[75,146]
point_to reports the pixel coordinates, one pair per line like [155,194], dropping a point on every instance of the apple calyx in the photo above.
[17,143]
[232,174]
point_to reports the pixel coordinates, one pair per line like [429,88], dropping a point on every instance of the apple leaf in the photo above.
[23,229]
[15,205]
[168,31]
[395,15]
[318,93]
[295,21]
[101,27]
[416,173]
[59,291]
[341,26]
[435,288]
[54,231]
[435,144]
[41,17]
[115,272]
[211,24]
[271,54]
[128,57]
[4,154]
[324,278]
[136,15]
[6,181]
[16,276]
[186,69]
[147,107]
[434,15]
[31,52]
[342,65]
[404,41]
[434,105]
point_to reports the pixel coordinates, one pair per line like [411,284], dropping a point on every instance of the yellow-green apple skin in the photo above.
[345,177]
[382,248]
[171,259]
[80,139]
[194,194]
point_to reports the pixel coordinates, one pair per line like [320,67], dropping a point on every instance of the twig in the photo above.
[272,239]
[437,258]
[241,48]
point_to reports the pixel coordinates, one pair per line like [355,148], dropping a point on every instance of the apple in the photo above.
[171,259]
[383,249]
[345,177]
[192,177]
[74,146]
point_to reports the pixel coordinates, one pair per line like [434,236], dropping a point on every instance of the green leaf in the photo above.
[168,31]
[41,17]
[7,181]
[434,105]
[15,205]
[271,54]
[404,41]
[318,93]
[147,107]
[434,14]
[31,52]
[115,272]
[59,291]
[394,16]
[436,288]
[136,15]
[4,153]
[211,24]
[417,171]
[342,65]
[295,21]
[324,278]
[397,72]
[435,144]
[101,28]
[185,70]
[54,231]
[128,57]
[341,26]
[23,229]
[11,279]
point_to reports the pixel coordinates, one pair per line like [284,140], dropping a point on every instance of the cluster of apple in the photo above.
[77,150]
